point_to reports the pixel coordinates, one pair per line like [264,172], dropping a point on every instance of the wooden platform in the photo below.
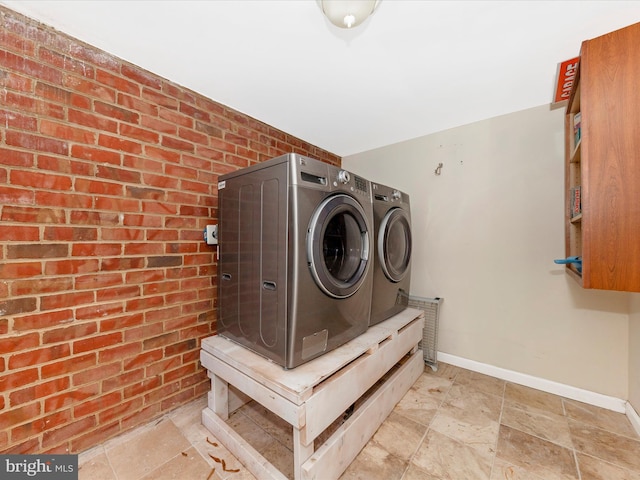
[312,396]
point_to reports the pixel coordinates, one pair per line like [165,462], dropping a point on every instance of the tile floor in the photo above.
[452,424]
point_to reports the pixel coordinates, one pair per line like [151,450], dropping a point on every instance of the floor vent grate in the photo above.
[429,343]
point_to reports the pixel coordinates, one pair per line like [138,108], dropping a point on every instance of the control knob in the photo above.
[396,195]
[344,176]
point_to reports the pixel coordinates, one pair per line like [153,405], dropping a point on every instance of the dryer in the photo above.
[393,245]
[295,262]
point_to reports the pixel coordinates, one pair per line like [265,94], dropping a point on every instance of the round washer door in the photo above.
[394,244]
[338,246]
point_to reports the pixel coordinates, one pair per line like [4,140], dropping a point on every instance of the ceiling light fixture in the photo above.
[348,13]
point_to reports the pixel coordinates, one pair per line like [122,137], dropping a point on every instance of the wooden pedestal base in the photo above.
[312,396]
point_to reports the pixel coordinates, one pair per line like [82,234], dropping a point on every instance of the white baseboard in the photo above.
[567,391]
[633,417]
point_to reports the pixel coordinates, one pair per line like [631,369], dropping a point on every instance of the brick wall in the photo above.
[108,176]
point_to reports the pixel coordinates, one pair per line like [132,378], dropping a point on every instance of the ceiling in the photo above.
[413,68]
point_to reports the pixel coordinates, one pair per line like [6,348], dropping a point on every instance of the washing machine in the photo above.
[295,261]
[392,245]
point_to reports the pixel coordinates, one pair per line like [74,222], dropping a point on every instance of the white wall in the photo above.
[485,234]
[634,352]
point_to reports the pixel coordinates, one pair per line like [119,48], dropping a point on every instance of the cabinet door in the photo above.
[608,234]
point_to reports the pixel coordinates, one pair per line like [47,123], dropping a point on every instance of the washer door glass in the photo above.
[338,246]
[394,244]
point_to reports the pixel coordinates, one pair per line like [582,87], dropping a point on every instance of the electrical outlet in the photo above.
[211,234]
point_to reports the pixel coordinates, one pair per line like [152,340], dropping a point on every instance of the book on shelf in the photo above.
[576,202]
[577,128]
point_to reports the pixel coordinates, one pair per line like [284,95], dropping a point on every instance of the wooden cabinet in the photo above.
[604,163]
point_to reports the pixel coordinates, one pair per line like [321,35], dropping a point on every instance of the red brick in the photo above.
[36,143]
[69,333]
[177,144]
[66,132]
[120,175]
[66,62]
[24,233]
[142,387]
[117,204]
[96,249]
[118,411]
[29,67]
[53,437]
[16,416]
[120,84]
[70,234]
[39,390]
[119,352]
[16,158]
[12,379]
[19,342]
[71,266]
[141,134]
[42,320]
[70,365]
[41,285]
[140,417]
[96,436]
[89,88]
[92,120]
[39,356]
[97,311]
[40,425]
[143,359]
[64,165]
[133,220]
[63,200]
[122,263]
[93,406]
[98,281]
[70,397]
[17,196]
[54,302]
[98,187]
[158,125]
[119,144]
[96,374]
[117,293]
[37,250]
[18,121]
[122,380]
[97,342]
[134,103]
[84,217]
[32,215]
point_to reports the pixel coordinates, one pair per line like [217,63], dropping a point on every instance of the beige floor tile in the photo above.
[95,468]
[528,397]
[595,469]
[600,417]
[400,435]
[484,383]
[418,406]
[540,457]
[539,423]
[505,471]
[462,409]
[608,446]
[444,458]
[145,452]
[470,405]
[444,370]
[375,463]
[479,432]
[187,465]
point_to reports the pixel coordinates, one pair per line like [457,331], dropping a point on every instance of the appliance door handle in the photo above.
[267,285]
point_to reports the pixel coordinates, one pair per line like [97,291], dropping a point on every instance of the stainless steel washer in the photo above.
[295,267]
[392,265]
